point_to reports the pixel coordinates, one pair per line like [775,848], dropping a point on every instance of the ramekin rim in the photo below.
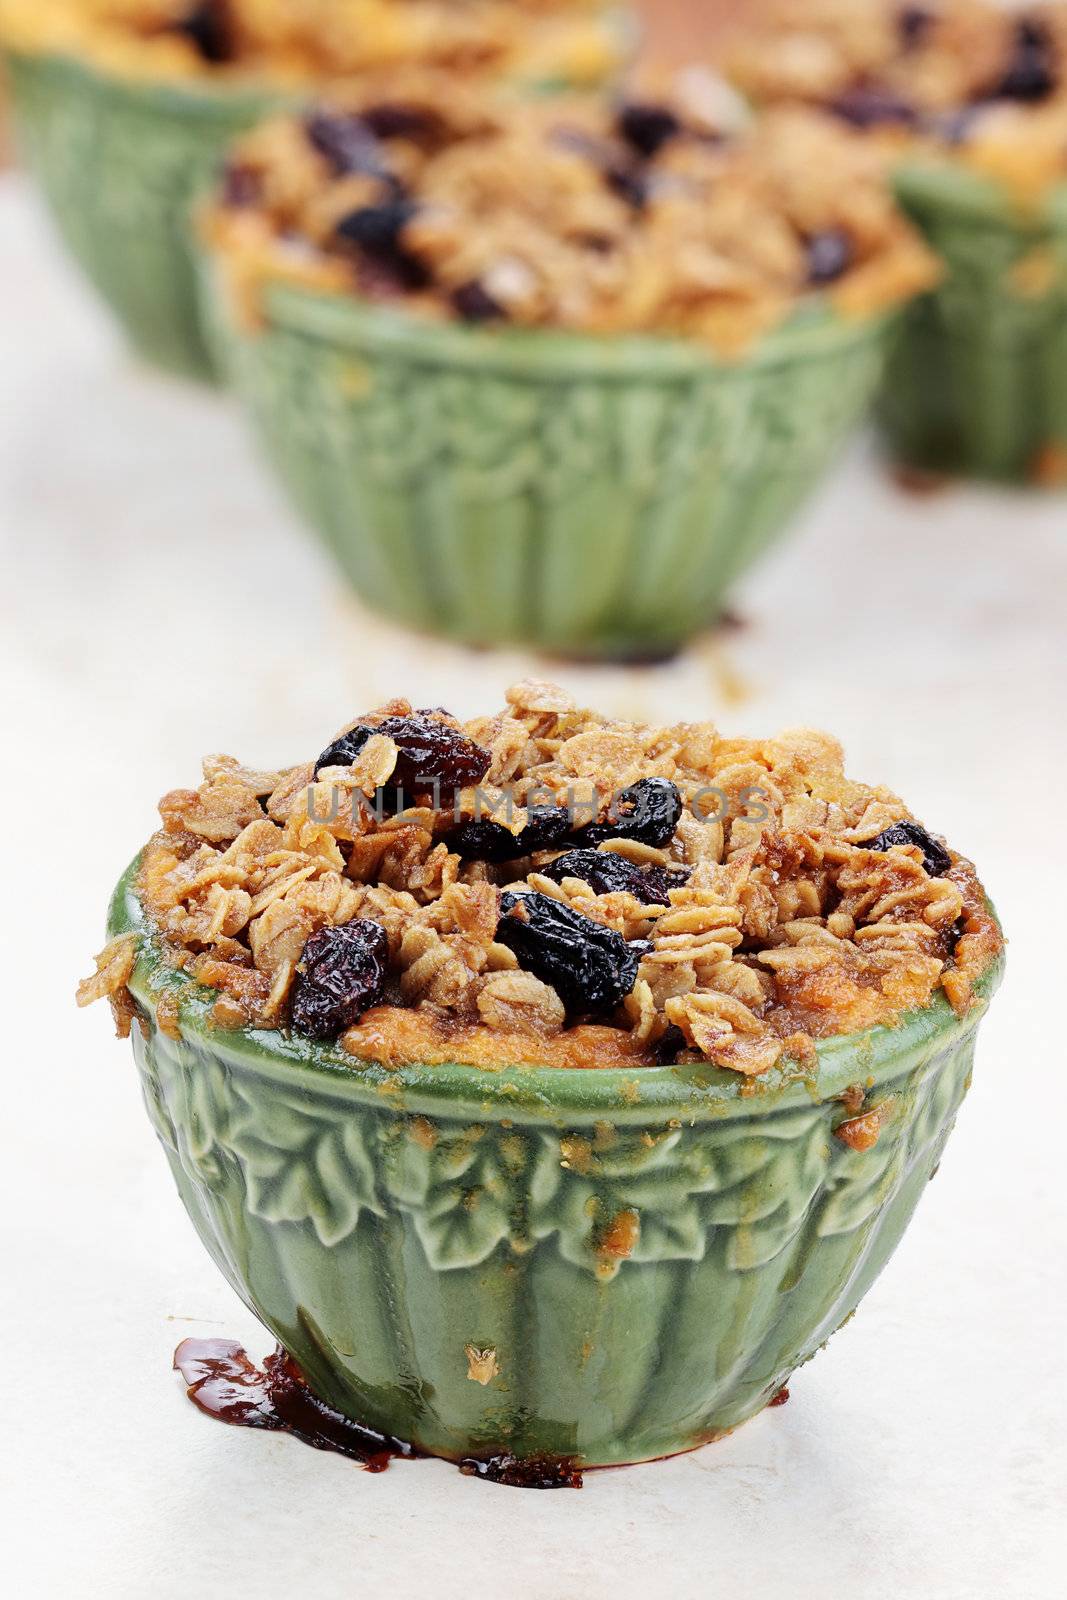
[343,320]
[955,187]
[185,95]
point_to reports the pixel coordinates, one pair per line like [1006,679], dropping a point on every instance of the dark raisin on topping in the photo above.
[936,858]
[393,120]
[671,1046]
[591,967]
[485,840]
[346,141]
[868,105]
[208,27]
[601,244]
[242,184]
[344,750]
[1031,73]
[609,873]
[647,128]
[546,827]
[433,758]
[473,302]
[343,975]
[913,24]
[648,811]
[829,256]
[377,229]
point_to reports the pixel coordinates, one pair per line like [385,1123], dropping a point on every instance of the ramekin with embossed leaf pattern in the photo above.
[595,496]
[639,1259]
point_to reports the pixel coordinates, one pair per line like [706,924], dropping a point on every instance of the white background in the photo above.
[158,603]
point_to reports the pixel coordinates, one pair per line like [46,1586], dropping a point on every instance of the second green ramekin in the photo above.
[593,496]
[978,381]
[602,1265]
[121,163]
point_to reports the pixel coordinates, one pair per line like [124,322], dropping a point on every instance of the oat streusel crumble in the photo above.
[562,890]
[574,40]
[984,83]
[636,216]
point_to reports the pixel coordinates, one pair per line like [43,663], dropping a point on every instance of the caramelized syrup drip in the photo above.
[225,1383]
[537,1472]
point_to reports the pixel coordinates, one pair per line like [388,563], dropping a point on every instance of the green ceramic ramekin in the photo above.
[589,495]
[384,1224]
[121,162]
[978,383]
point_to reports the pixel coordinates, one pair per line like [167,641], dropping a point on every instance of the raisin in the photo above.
[386,277]
[649,811]
[346,142]
[647,128]
[591,967]
[393,120]
[829,256]
[473,302]
[432,758]
[1031,74]
[485,840]
[209,28]
[609,873]
[547,826]
[913,24]
[376,229]
[868,105]
[936,858]
[343,975]
[344,750]
[599,243]
[242,184]
[671,1046]
[376,232]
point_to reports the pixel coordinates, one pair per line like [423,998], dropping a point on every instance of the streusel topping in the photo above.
[669,216]
[577,41]
[549,886]
[982,82]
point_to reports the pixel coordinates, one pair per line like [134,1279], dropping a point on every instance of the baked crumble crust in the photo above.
[801,904]
[672,216]
[965,80]
[576,41]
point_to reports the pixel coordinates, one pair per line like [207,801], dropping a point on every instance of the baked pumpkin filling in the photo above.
[548,886]
[667,216]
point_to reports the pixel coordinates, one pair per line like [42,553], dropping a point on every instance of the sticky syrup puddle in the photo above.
[224,1382]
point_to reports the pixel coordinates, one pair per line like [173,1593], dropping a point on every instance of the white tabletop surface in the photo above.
[159,602]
